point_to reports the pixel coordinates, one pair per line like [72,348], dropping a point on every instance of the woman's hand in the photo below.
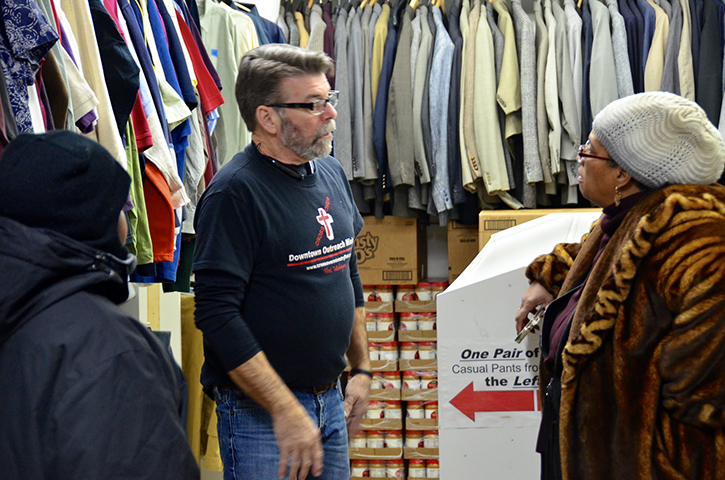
[535,295]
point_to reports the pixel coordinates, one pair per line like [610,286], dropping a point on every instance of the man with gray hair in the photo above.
[278,295]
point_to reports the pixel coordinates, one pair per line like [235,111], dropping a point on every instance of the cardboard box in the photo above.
[418,306]
[358,453]
[419,395]
[424,453]
[391,251]
[462,247]
[492,221]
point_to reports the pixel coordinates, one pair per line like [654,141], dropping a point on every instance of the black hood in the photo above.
[40,267]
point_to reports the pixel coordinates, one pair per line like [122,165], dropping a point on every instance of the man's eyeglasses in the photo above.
[316,107]
[583,153]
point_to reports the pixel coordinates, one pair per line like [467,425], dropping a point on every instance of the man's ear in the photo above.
[268,119]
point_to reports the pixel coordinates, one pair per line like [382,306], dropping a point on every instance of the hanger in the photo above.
[414,4]
[363,4]
[373,2]
[241,6]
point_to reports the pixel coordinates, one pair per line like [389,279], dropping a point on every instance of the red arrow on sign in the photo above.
[469,401]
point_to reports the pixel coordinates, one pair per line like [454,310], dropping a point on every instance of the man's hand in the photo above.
[534,296]
[357,396]
[298,438]
[299,442]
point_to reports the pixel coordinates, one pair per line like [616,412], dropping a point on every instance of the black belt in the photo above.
[315,390]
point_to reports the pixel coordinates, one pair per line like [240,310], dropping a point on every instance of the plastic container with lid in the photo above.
[385,293]
[432,469]
[438,287]
[377,468]
[359,440]
[428,379]
[415,409]
[424,290]
[393,409]
[376,439]
[408,350]
[395,469]
[375,411]
[430,439]
[391,380]
[411,380]
[370,294]
[371,321]
[427,321]
[359,468]
[416,468]
[386,322]
[405,293]
[408,321]
[377,380]
[393,439]
[413,439]
[374,351]
[427,350]
[389,351]
[431,409]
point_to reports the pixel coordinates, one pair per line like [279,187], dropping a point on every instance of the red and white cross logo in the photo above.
[326,220]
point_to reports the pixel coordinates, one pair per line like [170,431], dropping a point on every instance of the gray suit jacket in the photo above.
[421,72]
[343,134]
[619,48]
[439,92]
[317,30]
[571,129]
[370,15]
[294,31]
[526,46]
[356,69]
[602,78]
[398,127]
[542,120]
[671,70]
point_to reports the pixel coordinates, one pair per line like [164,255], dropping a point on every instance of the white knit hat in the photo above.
[661,139]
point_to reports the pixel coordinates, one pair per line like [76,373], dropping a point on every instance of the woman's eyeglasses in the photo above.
[583,153]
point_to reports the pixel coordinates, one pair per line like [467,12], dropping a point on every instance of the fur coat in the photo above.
[643,381]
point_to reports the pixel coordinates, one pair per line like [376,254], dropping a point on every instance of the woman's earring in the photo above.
[617,196]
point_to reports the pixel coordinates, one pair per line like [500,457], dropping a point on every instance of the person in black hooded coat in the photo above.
[86,391]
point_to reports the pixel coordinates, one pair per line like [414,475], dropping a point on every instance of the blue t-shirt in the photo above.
[283,244]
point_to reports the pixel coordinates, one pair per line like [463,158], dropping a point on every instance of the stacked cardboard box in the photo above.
[391,251]
[402,421]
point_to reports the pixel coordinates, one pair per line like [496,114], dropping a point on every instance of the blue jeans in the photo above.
[246,438]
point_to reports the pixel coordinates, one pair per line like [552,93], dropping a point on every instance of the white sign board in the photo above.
[488,384]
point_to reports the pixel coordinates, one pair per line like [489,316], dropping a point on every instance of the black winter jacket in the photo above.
[85,390]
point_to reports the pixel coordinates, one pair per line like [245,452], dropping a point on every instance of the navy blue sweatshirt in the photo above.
[275,269]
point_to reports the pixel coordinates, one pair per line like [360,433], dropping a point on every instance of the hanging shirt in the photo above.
[343,134]
[28,38]
[486,127]
[120,70]
[439,93]
[228,35]
[619,48]
[106,132]
[656,59]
